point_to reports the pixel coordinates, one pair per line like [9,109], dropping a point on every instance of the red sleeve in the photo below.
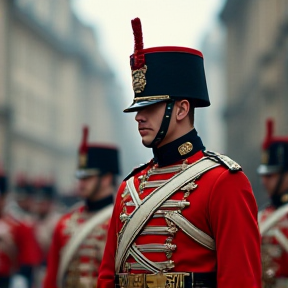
[233,217]
[50,280]
[107,268]
[29,249]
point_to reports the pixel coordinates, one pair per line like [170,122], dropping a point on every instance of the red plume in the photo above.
[137,31]
[84,146]
[269,133]
[139,60]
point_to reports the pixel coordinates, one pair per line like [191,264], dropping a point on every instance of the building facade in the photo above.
[256,71]
[53,81]
[210,121]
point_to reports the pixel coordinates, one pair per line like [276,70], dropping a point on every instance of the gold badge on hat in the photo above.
[139,79]
[265,157]
[185,148]
[82,160]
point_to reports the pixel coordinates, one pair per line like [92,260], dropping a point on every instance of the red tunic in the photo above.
[86,259]
[18,246]
[275,246]
[222,205]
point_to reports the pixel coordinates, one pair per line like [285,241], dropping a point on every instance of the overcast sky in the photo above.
[164,22]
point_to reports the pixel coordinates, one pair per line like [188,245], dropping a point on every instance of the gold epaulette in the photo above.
[223,160]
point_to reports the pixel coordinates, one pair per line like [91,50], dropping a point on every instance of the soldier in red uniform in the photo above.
[80,235]
[46,218]
[23,199]
[188,218]
[273,219]
[19,251]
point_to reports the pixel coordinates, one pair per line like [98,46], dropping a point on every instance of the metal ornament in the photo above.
[188,188]
[82,160]
[185,148]
[139,79]
[265,157]
[284,198]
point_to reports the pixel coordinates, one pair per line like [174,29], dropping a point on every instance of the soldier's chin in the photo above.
[84,194]
[147,143]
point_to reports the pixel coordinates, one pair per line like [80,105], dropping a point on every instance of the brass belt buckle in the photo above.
[175,280]
[136,280]
[160,280]
[156,280]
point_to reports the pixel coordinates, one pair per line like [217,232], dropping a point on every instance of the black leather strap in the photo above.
[164,125]
[201,280]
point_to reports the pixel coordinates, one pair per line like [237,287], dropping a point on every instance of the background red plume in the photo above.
[21,179]
[269,133]
[84,144]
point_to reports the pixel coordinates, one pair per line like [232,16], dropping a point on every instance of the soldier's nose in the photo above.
[139,117]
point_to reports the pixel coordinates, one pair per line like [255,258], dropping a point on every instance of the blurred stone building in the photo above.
[209,121]
[53,80]
[257,72]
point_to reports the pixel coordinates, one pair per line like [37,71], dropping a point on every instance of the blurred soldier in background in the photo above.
[273,220]
[80,236]
[46,217]
[22,202]
[188,218]
[19,251]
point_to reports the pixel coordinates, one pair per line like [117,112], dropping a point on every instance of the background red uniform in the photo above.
[18,246]
[275,245]
[86,260]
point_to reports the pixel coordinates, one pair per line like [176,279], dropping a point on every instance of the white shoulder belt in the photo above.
[78,237]
[273,219]
[144,210]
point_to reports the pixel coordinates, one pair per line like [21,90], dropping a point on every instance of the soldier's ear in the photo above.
[182,108]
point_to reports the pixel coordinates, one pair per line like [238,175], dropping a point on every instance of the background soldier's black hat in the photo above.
[24,187]
[164,73]
[274,152]
[44,190]
[96,159]
[3,183]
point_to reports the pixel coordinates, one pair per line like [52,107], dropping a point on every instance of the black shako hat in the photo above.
[164,73]
[3,183]
[23,187]
[44,189]
[274,152]
[96,159]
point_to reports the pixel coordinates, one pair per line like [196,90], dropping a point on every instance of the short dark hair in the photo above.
[191,113]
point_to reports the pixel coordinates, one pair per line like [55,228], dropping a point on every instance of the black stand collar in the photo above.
[169,153]
[278,200]
[94,206]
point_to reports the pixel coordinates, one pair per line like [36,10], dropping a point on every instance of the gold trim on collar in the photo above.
[150,98]
[284,198]
[185,148]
